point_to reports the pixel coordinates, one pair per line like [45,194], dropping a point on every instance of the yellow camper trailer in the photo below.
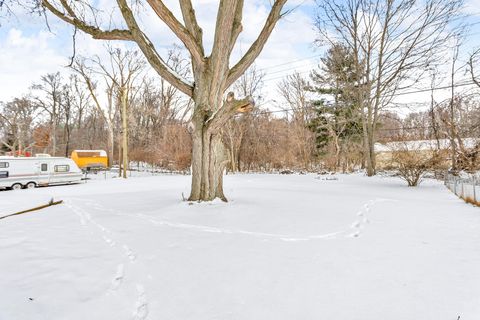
[90,159]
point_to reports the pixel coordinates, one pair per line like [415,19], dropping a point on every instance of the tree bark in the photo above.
[120,157]
[54,134]
[208,164]
[368,150]
[209,159]
[110,146]
[124,102]
[209,155]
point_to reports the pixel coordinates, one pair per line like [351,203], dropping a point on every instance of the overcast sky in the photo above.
[28,49]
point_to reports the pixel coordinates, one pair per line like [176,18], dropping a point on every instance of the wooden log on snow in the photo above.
[51,203]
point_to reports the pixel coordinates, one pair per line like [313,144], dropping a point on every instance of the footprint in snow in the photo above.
[141,306]
[117,280]
[356,234]
[109,241]
[79,213]
[129,253]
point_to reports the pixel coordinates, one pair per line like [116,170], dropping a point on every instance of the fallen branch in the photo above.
[51,203]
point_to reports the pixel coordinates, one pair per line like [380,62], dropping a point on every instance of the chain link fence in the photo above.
[466,187]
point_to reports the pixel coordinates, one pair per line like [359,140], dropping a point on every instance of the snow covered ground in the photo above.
[284,247]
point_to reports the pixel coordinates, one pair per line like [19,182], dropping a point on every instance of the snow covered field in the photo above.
[284,247]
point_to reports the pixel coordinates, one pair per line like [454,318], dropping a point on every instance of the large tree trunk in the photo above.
[67,139]
[209,155]
[369,126]
[371,168]
[124,103]
[368,149]
[120,156]
[53,134]
[232,148]
[208,162]
[110,145]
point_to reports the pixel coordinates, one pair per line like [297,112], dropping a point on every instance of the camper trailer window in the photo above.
[3,174]
[62,168]
[44,167]
[3,164]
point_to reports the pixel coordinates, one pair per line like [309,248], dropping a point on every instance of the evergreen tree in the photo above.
[337,121]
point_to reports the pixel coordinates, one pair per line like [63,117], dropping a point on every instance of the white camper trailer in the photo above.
[17,173]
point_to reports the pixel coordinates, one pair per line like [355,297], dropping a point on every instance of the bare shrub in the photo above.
[411,165]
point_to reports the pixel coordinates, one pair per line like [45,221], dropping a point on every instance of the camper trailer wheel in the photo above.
[31,185]
[17,186]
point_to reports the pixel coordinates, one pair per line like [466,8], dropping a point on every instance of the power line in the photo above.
[290,62]
[377,129]
[470,15]
[469,83]
[281,77]
[303,72]
[394,95]
[293,68]
[320,55]
[405,128]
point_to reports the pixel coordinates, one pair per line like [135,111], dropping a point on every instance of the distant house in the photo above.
[384,151]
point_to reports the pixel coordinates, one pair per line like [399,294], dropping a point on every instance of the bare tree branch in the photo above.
[471,68]
[191,43]
[150,52]
[221,46]
[94,31]
[191,21]
[257,46]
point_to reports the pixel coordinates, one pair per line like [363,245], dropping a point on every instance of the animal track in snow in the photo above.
[355,234]
[78,212]
[356,224]
[264,235]
[141,305]
[117,280]
[129,253]
[353,231]
[210,229]
[359,224]
[109,241]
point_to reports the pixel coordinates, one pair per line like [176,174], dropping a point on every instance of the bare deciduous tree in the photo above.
[50,89]
[123,71]
[393,43]
[16,120]
[473,61]
[294,91]
[250,84]
[108,111]
[212,74]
